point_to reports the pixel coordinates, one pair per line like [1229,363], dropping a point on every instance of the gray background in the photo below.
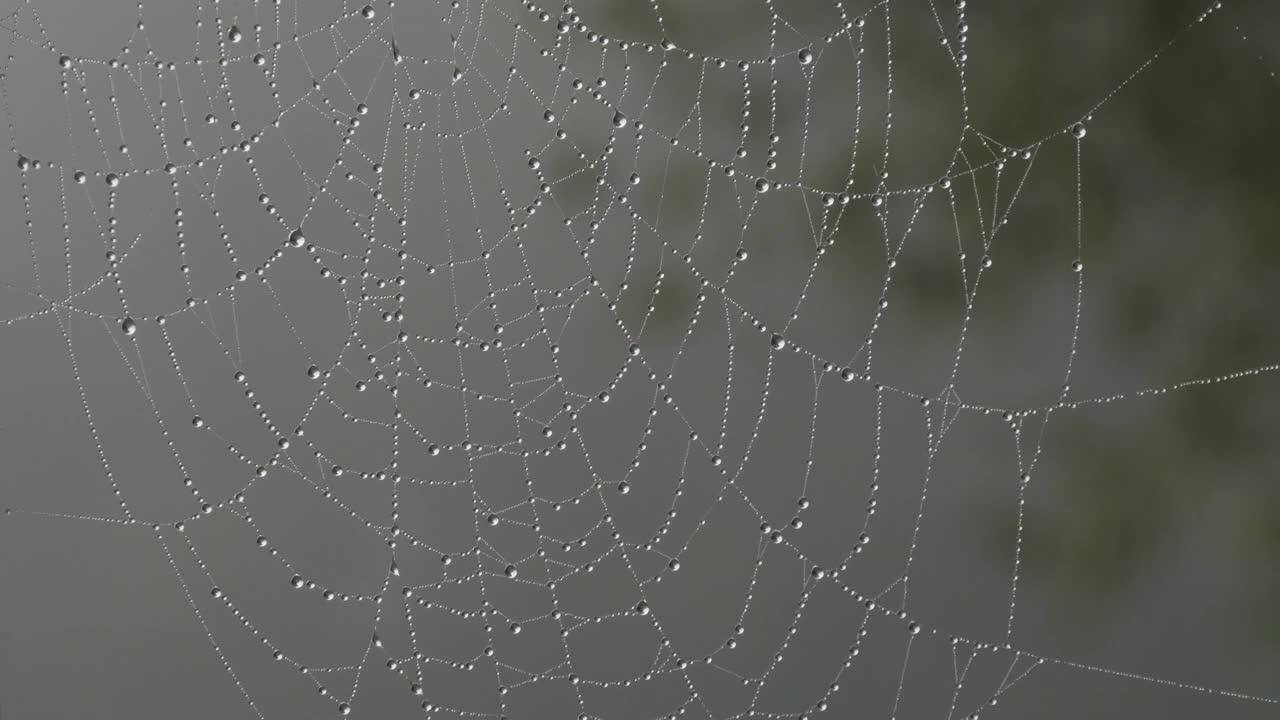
[1149,544]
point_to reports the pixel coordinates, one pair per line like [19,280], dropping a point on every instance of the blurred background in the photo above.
[973,204]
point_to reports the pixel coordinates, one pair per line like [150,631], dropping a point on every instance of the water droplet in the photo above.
[818,573]
[344,709]
[1079,130]
[674,564]
[1077,266]
[619,120]
[297,581]
[113,180]
[313,372]
[805,56]
[457,73]
[297,239]
[763,185]
[877,200]
[624,487]
[604,397]
[216,592]
[510,571]
[986,261]
[128,326]
[396,57]
[367,12]
[847,374]
[23,163]
[197,421]
[64,62]
[234,35]
[777,342]
[534,163]
[741,254]
[515,628]
[80,177]
[642,607]
[914,628]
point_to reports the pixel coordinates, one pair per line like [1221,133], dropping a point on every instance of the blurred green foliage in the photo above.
[1180,188]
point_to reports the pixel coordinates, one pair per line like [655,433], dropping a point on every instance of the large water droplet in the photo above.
[619,120]
[805,56]
[128,326]
[1079,130]
[763,185]
[234,35]
[297,239]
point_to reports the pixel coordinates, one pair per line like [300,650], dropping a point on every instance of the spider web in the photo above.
[472,360]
